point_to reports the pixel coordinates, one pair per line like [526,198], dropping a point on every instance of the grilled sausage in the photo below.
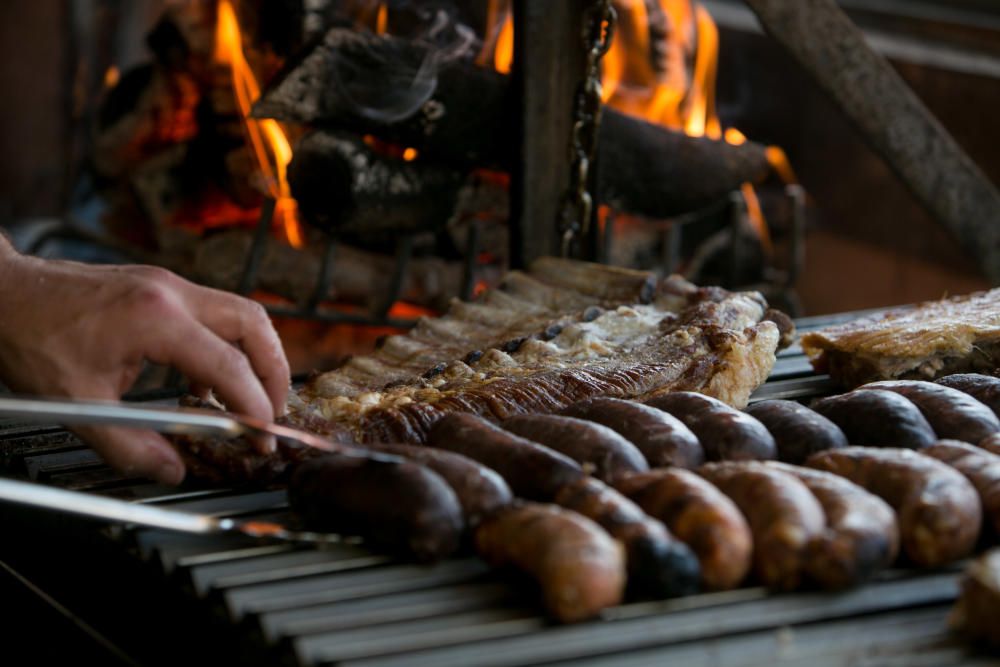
[602,452]
[951,413]
[699,515]
[580,569]
[861,535]
[937,509]
[532,471]
[658,564]
[784,517]
[978,607]
[481,491]
[983,388]
[877,418]
[798,431]
[990,444]
[391,502]
[662,438]
[726,434]
[980,467]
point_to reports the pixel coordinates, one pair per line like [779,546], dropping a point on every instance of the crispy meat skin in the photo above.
[961,334]
[564,332]
[580,569]
[938,510]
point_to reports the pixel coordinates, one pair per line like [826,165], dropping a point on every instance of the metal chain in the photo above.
[578,204]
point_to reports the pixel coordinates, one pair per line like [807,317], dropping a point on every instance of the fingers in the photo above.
[245,322]
[207,360]
[135,453]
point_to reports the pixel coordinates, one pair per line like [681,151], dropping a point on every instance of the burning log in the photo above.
[356,277]
[824,41]
[467,118]
[341,184]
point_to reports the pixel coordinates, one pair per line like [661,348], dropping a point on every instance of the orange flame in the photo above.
[267,138]
[382,19]
[504,54]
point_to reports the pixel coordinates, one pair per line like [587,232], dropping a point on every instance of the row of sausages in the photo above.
[607,501]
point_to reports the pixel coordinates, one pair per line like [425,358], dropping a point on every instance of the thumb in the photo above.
[135,452]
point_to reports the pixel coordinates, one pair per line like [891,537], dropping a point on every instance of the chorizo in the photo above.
[531,470]
[662,438]
[861,535]
[951,413]
[579,568]
[990,444]
[480,490]
[980,467]
[877,418]
[392,503]
[699,515]
[725,433]
[658,565]
[784,517]
[937,509]
[798,431]
[983,388]
[601,451]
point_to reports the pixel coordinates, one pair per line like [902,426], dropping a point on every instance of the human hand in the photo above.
[84,331]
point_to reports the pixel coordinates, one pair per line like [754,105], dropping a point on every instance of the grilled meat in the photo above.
[937,338]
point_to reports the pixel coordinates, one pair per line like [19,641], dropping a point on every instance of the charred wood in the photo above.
[342,185]
[469,119]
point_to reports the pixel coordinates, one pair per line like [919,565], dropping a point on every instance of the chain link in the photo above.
[578,204]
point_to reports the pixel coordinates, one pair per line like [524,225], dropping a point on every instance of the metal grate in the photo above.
[346,605]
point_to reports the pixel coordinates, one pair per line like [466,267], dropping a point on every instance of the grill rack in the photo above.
[288,604]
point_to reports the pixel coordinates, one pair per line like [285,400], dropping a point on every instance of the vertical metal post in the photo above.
[549,62]
[257,249]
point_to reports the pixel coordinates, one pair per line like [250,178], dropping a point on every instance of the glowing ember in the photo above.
[382,19]
[267,139]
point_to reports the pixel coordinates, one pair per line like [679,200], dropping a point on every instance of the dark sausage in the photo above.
[726,434]
[983,388]
[393,503]
[877,418]
[861,535]
[481,491]
[980,467]
[580,569]
[658,564]
[951,413]
[662,438]
[798,431]
[937,509]
[699,515]
[784,517]
[602,452]
[532,471]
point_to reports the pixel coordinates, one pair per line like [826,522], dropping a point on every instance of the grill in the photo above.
[154,597]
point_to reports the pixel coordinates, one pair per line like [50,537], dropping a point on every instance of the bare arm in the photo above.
[84,331]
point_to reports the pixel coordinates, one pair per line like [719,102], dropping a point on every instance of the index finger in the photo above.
[245,322]
[206,359]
